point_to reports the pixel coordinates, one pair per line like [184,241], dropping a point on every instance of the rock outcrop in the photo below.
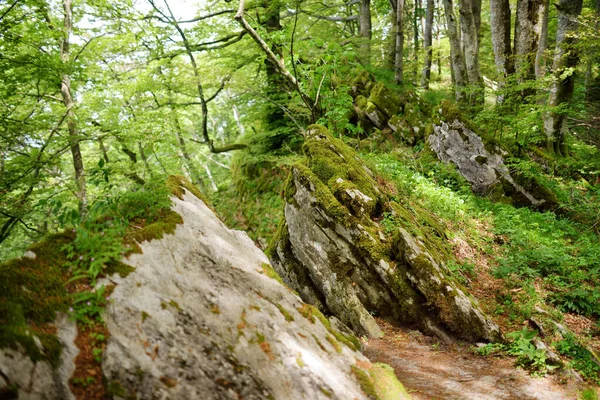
[204,316]
[481,161]
[336,254]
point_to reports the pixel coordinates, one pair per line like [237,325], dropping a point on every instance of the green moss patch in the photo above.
[379,382]
[32,291]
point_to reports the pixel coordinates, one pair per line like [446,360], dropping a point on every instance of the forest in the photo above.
[427,166]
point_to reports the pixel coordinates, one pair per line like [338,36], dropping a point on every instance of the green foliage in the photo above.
[583,360]
[528,355]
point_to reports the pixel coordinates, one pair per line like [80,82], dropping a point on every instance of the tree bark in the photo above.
[500,24]
[416,20]
[540,57]
[364,31]
[391,39]
[399,53]
[503,57]
[65,90]
[470,41]
[457,60]
[528,30]
[565,61]
[427,42]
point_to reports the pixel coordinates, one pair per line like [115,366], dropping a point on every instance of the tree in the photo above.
[470,16]
[501,27]
[529,35]
[427,44]
[457,59]
[365,31]
[399,49]
[566,58]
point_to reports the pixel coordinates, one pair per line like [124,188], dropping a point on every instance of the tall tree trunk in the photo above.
[457,60]
[565,59]
[528,28]
[65,90]
[399,60]
[500,23]
[391,39]
[427,39]
[364,31]
[540,57]
[593,51]
[416,20]
[470,41]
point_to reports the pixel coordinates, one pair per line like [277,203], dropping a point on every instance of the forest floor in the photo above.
[432,370]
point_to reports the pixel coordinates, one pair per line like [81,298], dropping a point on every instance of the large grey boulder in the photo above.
[202,317]
[482,162]
[333,251]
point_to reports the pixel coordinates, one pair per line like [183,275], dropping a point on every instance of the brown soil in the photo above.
[431,370]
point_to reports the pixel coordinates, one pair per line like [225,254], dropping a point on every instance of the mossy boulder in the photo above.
[333,248]
[387,101]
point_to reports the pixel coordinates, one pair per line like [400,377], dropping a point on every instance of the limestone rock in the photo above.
[482,164]
[331,248]
[200,318]
[29,379]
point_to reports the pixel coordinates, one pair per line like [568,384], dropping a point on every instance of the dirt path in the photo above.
[435,371]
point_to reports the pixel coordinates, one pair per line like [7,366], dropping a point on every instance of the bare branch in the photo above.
[206,16]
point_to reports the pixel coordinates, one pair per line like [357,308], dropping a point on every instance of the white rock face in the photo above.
[454,142]
[198,319]
[38,380]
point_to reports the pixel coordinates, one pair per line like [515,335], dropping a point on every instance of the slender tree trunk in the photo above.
[540,57]
[470,40]
[365,31]
[65,90]
[457,60]
[391,39]
[415,21]
[565,61]
[427,39]
[399,60]
[500,24]
[528,28]
[592,57]
[189,162]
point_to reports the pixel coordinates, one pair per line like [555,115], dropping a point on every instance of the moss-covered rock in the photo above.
[388,102]
[332,244]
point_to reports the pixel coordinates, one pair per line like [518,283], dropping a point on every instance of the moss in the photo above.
[114,388]
[174,304]
[288,317]
[361,102]
[331,161]
[365,381]
[271,273]
[177,185]
[320,344]
[32,291]
[385,100]
[312,313]
[145,316]
[334,343]
[118,267]
[165,225]
[379,382]
[299,361]
[326,392]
